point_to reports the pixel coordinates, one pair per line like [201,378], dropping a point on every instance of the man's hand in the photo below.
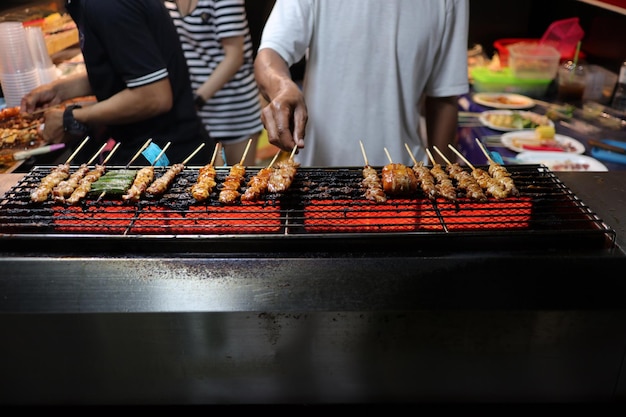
[285,118]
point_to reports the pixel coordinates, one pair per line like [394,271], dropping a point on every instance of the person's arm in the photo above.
[127,106]
[441,115]
[56,92]
[226,69]
[285,115]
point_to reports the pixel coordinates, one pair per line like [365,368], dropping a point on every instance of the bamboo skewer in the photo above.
[77,150]
[443,181]
[230,188]
[143,148]
[463,179]
[372,184]
[424,176]
[206,178]
[193,154]
[160,155]
[499,172]
[489,184]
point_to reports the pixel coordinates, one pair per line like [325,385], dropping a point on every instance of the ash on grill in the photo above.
[320,201]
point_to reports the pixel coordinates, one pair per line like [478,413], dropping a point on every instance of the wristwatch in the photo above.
[198,101]
[71,125]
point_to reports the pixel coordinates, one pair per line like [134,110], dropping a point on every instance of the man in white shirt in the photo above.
[373,68]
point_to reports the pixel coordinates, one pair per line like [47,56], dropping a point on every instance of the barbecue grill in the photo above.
[315,295]
[322,206]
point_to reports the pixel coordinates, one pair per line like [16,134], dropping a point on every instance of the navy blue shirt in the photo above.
[128,44]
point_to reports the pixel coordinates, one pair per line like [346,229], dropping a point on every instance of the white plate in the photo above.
[571,145]
[558,161]
[538,118]
[504,100]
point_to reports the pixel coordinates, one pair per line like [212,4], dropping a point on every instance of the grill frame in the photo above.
[557,219]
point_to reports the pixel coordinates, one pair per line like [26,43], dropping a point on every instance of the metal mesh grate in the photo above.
[321,201]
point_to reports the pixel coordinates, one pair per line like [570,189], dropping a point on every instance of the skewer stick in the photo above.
[215,152]
[388,156]
[410,153]
[274,159]
[77,150]
[363,152]
[462,157]
[245,152]
[193,153]
[485,151]
[143,148]
[167,145]
[117,145]
[293,151]
[432,159]
[93,158]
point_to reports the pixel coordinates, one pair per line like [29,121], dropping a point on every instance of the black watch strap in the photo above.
[198,101]
[71,125]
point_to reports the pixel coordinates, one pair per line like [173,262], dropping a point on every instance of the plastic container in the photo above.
[564,35]
[502,46]
[534,61]
[503,81]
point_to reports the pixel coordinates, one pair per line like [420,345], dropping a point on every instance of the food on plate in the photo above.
[19,130]
[503,99]
[544,139]
[516,120]
[545,132]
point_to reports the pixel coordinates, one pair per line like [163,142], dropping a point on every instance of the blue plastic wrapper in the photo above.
[152,152]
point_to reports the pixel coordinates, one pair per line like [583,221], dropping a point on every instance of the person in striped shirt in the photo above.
[217,44]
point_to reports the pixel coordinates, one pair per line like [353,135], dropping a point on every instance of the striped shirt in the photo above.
[235,110]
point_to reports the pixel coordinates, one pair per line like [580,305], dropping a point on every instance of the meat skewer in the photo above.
[143,179]
[425,179]
[499,172]
[162,183]
[66,187]
[373,187]
[398,179]
[443,182]
[464,179]
[258,184]
[84,186]
[58,174]
[489,185]
[206,179]
[284,174]
[230,188]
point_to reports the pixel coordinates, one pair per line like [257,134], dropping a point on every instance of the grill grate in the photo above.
[320,202]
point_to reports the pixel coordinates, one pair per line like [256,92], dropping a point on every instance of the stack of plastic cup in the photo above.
[19,73]
[39,52]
